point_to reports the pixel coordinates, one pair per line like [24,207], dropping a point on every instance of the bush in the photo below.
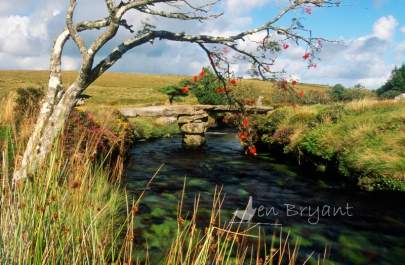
[337,92]
[28,100]
[395,85]
[357,94]
[110,141]
[362,141]
[205,88]
[390,94]
[175,92]
[340,93]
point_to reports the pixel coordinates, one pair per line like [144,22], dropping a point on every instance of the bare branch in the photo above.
[178,15]
[72,29]
[117,53]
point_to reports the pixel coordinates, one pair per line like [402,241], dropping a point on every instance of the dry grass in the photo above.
[127,89]
[112,89]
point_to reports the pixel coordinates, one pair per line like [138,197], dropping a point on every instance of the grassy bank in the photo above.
[69,211]
[364,141]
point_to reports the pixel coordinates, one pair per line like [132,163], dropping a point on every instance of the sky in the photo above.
[370,37]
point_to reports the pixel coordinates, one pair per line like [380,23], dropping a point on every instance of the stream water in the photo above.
[368,228]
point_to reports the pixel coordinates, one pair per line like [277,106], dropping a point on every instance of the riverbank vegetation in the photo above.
[363,141]
[69,211]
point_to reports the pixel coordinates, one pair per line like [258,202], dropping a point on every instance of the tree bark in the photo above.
[49,124]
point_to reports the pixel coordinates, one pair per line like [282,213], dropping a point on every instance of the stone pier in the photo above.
[193,126]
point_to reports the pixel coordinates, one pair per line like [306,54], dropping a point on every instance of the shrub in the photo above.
[357,94]
[395,85]
[206,88]
[337,92]
[340,93]
[282,135]
[390,94]
[28,100]
[176,91]
[110,141]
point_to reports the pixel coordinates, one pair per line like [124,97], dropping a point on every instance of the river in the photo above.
[356,227]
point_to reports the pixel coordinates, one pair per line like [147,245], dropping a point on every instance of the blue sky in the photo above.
[371,35]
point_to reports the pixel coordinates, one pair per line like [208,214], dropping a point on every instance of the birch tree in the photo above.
[222,51]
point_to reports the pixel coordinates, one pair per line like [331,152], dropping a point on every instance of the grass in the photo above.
[363,140]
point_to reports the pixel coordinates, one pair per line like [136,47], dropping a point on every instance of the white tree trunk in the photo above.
[54,113]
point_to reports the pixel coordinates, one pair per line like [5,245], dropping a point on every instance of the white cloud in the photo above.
[402,29]
[20,35]
[384,27]
[360,60]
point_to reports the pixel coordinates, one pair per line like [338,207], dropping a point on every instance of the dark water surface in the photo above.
[373,234]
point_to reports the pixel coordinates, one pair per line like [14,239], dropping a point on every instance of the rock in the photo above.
[193,140]
[166,120]
[192,118]
[212,122]
[259,101]
[194,128]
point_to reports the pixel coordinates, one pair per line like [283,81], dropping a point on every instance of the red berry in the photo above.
[245,122]
[252,150]
[185,90]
